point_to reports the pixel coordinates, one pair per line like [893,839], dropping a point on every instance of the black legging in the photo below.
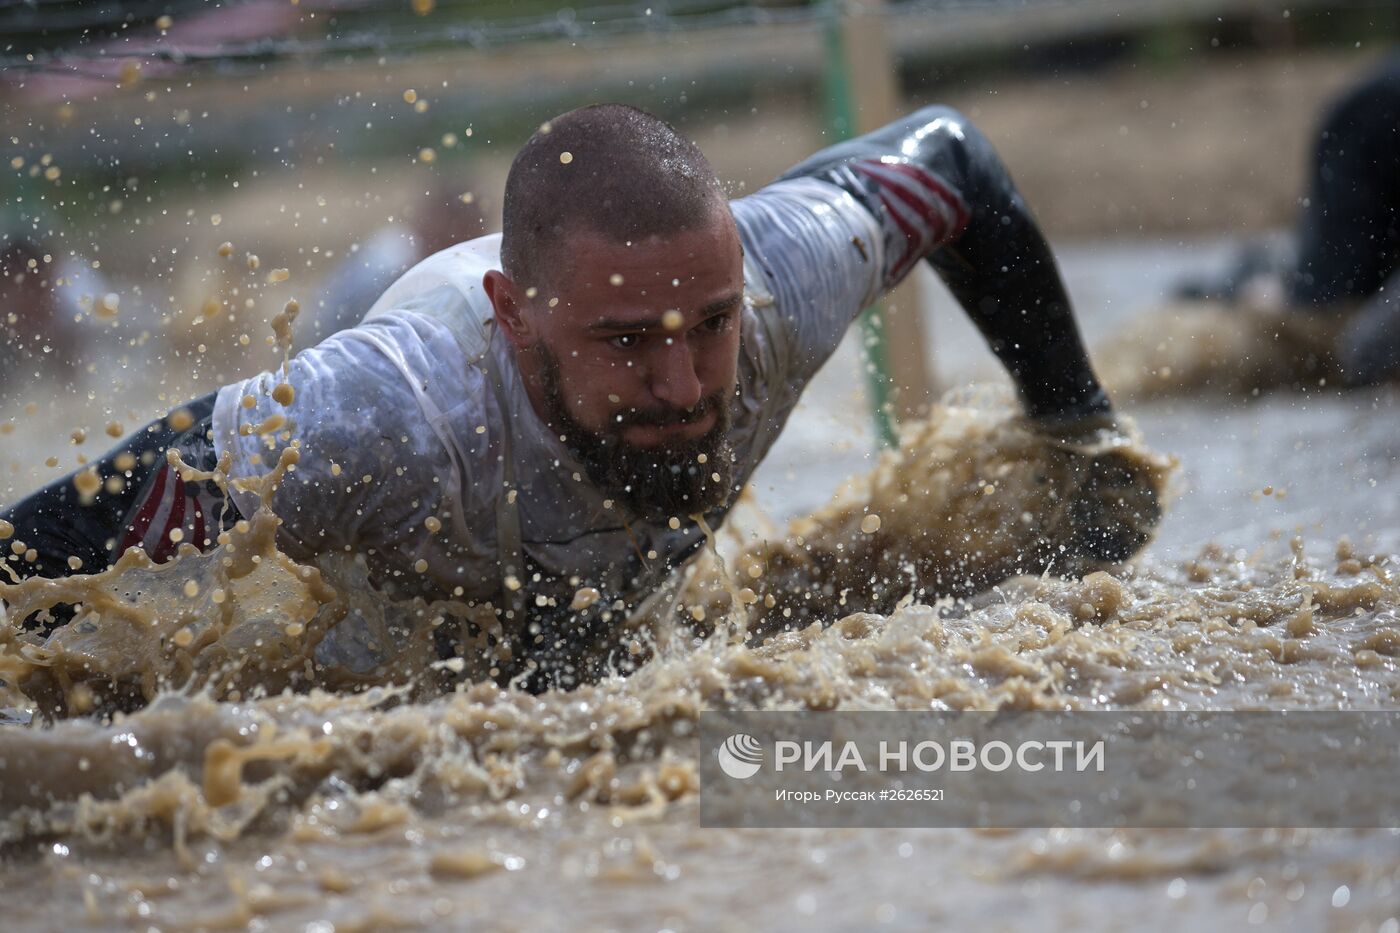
[57,525]
[999,268]
[1349,236]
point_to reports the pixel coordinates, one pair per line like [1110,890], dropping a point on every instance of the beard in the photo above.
[654,483]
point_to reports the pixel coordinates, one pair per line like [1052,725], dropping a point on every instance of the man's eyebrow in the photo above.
[650,323]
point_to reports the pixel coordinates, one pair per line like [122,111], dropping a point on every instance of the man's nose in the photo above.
[674,378]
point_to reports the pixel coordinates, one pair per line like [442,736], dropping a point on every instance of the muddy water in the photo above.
[387,808]
[379,809]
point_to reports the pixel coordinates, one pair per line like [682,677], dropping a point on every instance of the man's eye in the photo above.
[720,322]
[624,341]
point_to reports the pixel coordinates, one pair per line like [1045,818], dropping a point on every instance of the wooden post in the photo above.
[874,101]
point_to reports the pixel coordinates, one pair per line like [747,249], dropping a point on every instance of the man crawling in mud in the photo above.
[545,419]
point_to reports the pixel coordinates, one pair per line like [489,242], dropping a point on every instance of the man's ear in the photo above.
[510,309]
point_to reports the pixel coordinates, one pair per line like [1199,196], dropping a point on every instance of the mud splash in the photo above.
[968,500]
[972,496]
[1208,637]
[1204,348]
[393,806]
[303,807]
[242,620]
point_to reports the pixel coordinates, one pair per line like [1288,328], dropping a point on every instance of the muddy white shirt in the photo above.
[415,413]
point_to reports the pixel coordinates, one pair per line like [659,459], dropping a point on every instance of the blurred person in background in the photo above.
[214,310]
[1344,257]
[448,213]
[42,298]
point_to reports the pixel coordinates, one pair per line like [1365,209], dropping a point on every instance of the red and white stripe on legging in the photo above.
[167,503]
[926,211]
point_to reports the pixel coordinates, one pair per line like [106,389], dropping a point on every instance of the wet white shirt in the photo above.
[399,419]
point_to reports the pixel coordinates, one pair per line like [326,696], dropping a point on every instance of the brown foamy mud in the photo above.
[392,807]
[243,620]
[1207,349]
[971,497]
[338,808]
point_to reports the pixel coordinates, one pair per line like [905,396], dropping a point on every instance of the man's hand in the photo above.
[1112,505]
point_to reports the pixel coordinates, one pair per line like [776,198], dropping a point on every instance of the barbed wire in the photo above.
[400,33]
[596,24]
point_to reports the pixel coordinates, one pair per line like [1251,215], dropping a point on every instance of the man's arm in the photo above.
[371,467]
[851,221]
[939,193]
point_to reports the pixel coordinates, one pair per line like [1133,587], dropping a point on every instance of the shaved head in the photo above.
[609,169]
[621,293]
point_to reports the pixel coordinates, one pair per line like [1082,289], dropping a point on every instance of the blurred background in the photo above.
[175,171]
